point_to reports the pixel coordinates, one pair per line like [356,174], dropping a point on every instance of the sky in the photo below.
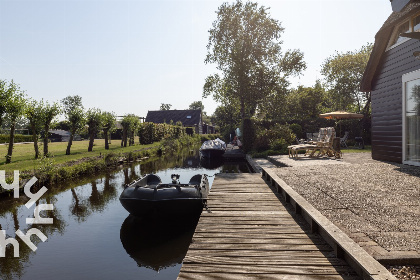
[129,56]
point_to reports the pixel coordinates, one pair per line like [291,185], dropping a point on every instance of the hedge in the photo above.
[4,138]
[154,132]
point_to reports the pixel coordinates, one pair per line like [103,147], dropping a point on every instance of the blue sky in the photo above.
[131,56]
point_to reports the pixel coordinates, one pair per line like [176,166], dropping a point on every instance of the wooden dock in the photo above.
[250,234]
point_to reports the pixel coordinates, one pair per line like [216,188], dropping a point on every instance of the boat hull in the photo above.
[161,208]
[212,153]
[141,199]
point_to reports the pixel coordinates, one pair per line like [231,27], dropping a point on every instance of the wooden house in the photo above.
[189,118]
[392,76]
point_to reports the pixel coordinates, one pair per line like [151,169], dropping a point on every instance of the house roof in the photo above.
[381,42]
[187,117]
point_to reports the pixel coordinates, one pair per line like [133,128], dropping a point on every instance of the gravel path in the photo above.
[375,203]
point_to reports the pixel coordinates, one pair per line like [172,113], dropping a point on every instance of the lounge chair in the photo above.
[325,144]
[307,147]
[343,140]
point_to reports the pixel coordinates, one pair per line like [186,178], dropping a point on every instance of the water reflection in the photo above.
[157,244]
[89,231]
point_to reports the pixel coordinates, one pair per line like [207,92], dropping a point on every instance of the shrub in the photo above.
[267,138]
[154,132]
[297,130]
[4,138]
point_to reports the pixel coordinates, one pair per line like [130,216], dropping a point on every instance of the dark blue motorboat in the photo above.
[149,196]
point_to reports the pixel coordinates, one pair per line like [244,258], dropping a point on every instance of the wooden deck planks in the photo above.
[250,235]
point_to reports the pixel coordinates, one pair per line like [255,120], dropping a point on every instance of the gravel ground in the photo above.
[405,272]
[375,203]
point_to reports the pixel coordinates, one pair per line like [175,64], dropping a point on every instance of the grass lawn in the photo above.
[23,154]
[367,149]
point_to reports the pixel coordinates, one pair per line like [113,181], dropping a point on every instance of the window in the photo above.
[411,25]
[188,117]
[411,118]
[416,23]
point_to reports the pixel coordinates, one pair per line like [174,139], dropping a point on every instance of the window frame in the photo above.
[408,77]
[395,34]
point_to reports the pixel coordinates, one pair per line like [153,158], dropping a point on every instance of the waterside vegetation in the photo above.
[60,167]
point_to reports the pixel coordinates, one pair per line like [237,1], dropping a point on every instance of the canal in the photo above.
[94,237]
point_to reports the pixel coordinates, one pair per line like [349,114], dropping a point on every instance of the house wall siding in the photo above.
[387,100]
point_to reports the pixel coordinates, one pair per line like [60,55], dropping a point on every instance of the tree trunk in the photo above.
[11,141]
[35,139]
[70,142]
[106,139]
[46,128]
[91,139]
[242,110]
[124,138]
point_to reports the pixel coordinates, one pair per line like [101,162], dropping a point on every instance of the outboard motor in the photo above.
[175,178]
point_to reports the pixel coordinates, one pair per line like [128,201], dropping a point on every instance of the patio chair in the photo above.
[294,149]
[324,147]
[310,147]
[343,139]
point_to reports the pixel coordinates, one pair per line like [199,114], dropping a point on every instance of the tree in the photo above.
[306,103]
[107,125]
[73,109]
[343,73]
[49,112]
[15,108]
[6,92]
[196,105]
[165,107]
[94,121]
[130,124]
[228,118]
[245,44]
[33,112]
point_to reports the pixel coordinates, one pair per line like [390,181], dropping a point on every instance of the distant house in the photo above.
[189,118]
[58,135]
[392,75]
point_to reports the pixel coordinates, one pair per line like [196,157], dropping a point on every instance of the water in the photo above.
[94,237]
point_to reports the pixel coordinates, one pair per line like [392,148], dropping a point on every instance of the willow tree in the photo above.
[33,112]
[49,112]
[15,108]
[6,92]
[94,121]
[245,44]
[107,126]
[73,108]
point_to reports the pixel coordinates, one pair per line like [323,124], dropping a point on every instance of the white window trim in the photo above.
[414,75]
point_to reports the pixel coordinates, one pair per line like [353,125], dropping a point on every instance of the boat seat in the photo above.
[195,180]
[153,179]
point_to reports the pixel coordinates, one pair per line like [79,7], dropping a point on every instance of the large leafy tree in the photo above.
[33,112]
[306,103]
[7,89]
[343,73]
[73,108]
[245,44]
[94,121]
[165,107]
[15,108]
[108,124]
[196,105]
[49,112]
[130,124]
